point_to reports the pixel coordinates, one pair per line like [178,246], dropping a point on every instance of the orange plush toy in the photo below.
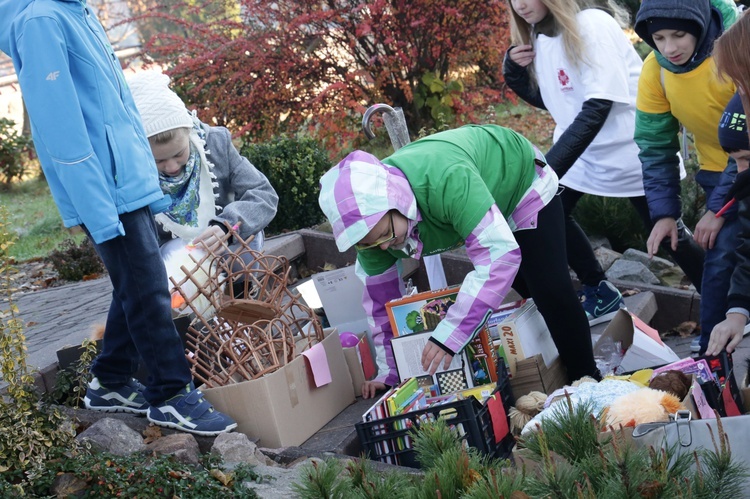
[642,406]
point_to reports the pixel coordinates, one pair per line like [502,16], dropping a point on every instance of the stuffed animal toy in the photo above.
[645,405]
[672,381]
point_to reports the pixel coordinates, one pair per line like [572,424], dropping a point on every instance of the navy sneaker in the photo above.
[189,411]
[601,303]
[127,398]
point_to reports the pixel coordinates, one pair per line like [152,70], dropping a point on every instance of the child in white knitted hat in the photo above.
[96,162]
[208,181]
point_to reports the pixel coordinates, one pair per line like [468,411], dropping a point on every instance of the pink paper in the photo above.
[705,410]
[316,357]
[651,332]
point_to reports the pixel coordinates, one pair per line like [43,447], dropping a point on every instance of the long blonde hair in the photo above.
[732,56]
[564,16]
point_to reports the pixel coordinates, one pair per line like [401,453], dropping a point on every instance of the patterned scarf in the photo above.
[183,189]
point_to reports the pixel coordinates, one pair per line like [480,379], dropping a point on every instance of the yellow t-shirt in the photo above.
[696,98]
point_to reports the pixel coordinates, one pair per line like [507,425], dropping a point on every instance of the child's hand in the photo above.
[523,55]
[431,357]
[707,229]
[211,239]
[665,227]
[729,330]
[369,388]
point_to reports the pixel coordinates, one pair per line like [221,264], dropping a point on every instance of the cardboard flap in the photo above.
[340,293]
[366,359]
[318,362]
[641,349]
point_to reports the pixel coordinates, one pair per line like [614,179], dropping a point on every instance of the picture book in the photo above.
[421,311]
[500,315]
[401,394]
[483,358]
[407,352]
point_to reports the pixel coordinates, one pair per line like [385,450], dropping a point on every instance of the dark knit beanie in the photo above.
[658,23]
[733,127]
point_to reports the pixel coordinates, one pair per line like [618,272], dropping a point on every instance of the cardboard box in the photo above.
[534,375]
[641,343]
[524,334]
[285,408]
[361,363]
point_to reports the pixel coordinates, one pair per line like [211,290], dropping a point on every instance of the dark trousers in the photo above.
[139,323]
[689,255]
[544,276]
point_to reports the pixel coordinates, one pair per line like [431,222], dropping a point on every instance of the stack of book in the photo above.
[406,398]
[417,315]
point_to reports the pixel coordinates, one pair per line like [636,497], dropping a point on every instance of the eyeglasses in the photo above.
[361,247]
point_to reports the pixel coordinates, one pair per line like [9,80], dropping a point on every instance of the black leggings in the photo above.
[544,276]
[689,255]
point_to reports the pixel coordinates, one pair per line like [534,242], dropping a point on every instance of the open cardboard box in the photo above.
[533,374]
[339,293]
[285,408]
[641,343]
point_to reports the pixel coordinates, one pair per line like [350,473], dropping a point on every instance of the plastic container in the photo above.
[388,440]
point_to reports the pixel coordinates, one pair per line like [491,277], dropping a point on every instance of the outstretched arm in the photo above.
[496,257]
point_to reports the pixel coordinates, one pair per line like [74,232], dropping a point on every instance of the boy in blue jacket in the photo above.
[734,139]
[99,167]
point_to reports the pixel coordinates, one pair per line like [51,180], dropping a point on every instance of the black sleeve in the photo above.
[442,347]
[517,78]
[739,289]
[579,135]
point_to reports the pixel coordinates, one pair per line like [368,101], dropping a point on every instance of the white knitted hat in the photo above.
[160,108]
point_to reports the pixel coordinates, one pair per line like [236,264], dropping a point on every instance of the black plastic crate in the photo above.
[388,440]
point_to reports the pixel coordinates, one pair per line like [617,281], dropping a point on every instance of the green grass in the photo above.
[34,217]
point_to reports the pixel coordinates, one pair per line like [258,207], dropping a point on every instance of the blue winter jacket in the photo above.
[86,128]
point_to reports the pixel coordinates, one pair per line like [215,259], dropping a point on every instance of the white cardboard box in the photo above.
[285,408]
[642,345]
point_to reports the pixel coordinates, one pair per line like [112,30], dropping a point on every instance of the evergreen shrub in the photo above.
[13,147]
[294,167]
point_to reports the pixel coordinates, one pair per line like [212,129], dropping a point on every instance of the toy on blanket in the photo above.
[672,381]
[530,405]
[617,401]
[645,405]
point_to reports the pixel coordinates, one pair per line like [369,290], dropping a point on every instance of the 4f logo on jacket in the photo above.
[52,76]
[564,79]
